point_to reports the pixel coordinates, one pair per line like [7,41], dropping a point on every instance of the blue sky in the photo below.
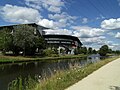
[94,22]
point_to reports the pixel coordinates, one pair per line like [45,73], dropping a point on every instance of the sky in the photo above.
[94,22]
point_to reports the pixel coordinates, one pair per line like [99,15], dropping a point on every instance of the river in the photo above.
[9,72]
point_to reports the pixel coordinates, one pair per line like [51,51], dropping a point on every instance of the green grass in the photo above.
[15,59]
[20,83]
[63,79]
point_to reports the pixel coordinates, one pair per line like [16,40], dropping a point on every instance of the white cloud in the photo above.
[111,24]
[62,19]
[90,37]
[117,35]
[94,40]
[46,23]
[111,34]
[50,5]
[100,17]
[12,13]
[114,46]
[97,18]
[18,14]
[57,16]
[59,31]
[56,3]
[61,23]
[54,9]
[87,32]
[84,20]
[63,15]
[35,6]
[97,42]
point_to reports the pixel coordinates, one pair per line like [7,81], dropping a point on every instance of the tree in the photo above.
[94,51]
[104,50]
[109,50]
[62,51]
[77,51]
[90,50]
[5,40]
[117,52]
[40,42]
[83,50]
[25,40]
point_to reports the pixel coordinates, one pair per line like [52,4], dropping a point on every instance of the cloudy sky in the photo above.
[94,22]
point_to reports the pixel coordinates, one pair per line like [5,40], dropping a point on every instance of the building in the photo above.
[38,29]
[65,42]
[7,33]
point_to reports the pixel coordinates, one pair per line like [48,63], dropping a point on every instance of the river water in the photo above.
[10,72]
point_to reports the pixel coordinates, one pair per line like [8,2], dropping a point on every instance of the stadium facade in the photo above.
[65,42]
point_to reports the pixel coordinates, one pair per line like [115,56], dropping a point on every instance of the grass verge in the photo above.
[63,79]
[17,59]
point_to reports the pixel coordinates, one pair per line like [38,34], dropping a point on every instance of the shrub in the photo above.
[50,53]
[54,55]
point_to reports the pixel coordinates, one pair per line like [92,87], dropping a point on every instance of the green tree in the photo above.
[5,40]
[117,52]
[109,50]
[40,42]
[77,51]
[24,39]
[94,51]
[104,50]
[62,51]
[83,50]
[90,50]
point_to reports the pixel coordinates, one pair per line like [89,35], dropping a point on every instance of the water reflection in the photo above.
[35,70]
[93,58]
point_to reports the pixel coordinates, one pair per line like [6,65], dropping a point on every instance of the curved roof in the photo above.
[62,36]
[33,24]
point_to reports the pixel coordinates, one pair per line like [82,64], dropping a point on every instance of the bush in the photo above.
[50,53]
[54,55]
[104,50]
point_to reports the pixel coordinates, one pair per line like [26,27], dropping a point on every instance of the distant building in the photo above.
[65,42]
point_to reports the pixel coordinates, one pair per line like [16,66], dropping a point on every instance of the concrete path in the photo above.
[105,78]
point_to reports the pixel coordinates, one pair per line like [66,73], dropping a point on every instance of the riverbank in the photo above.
[63,79]
[20,59]
[106,78]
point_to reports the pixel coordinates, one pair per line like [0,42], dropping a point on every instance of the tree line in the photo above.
[103,51]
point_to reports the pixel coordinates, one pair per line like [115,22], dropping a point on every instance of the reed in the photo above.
[58,79]
[63,79]
[21,83]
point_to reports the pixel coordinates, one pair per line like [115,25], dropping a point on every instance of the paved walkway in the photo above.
[105,78]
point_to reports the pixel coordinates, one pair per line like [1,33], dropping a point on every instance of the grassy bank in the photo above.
[17,59]
[64,79]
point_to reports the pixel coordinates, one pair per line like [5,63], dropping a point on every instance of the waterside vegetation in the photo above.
[64,79]
[17,46]
[15,59]
[61,79]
